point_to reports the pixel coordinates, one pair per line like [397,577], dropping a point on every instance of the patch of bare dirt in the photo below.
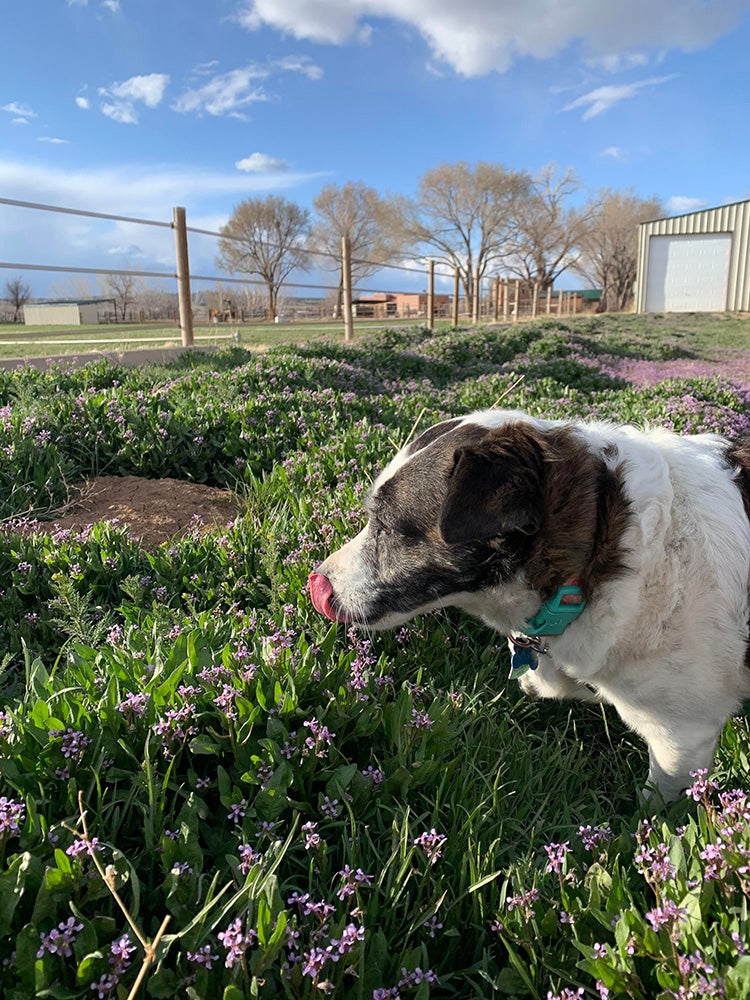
[153,510]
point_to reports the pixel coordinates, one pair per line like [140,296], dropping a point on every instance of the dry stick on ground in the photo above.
[108,877]
[508,391]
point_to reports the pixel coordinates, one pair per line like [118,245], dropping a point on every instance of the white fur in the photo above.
[665,642]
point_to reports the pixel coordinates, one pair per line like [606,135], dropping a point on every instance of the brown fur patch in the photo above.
[738,456]
[585,513]
[428,436]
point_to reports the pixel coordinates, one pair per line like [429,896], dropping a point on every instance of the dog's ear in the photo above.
[494,488]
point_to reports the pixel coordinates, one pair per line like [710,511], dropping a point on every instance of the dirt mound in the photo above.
[153,510]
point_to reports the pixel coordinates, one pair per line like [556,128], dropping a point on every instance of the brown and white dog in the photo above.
[616,561]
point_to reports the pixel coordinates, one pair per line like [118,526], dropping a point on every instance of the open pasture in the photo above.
[321,812]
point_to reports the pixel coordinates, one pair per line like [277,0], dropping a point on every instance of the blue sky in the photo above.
[133,106]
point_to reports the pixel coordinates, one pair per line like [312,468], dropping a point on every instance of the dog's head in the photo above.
[469,506]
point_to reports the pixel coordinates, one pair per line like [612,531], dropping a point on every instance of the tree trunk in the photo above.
[271,308]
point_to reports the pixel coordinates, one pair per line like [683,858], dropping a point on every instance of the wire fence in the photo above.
[485,299]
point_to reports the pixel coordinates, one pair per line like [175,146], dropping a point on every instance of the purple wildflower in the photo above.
[556,854]
[59,940]
[203,956]
[12,816]
[432,843]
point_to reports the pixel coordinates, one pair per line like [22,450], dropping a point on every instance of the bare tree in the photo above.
[267,237]
[123,289]
[609,249]
[548,231]
[18,292]
[464,214]
[374,226]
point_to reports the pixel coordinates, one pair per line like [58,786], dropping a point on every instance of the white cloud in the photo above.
[259,163]
[83,102]
[53,140]
[23,111]
[120,112]
[203,69]
[481,36]
[678,204]
[615,152]
[122,98]
[225,94]
[300,64]
[112,5]
[616,62]
[230,94]
[149,89]
[604,98]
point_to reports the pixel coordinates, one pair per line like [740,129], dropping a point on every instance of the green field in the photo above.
[18,341]
[316,810]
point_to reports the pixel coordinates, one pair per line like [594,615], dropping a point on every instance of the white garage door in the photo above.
[688,273]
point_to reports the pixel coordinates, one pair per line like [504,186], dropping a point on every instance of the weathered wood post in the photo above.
[534,299]
[456,290]
[549,299]
[497,299]
[516,299]
[475,317]
[179,224]
[506,300]
[431,295]
[346,278]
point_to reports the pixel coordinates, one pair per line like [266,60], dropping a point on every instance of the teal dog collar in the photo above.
[552,618]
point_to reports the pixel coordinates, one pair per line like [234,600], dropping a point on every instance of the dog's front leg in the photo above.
[549,682]
[674,754]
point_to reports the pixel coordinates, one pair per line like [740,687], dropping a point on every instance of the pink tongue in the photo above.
[321,592]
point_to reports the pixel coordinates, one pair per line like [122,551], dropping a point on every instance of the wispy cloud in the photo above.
[83,102]
[111,5]
[53,139]
[22,112]
[615,152]
[231,94]
[602,99]
[299,64]
[260,163]
[617,62]
[225,94]
[121,99]
[678,204]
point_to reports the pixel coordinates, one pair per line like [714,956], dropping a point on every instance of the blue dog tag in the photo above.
[522,658]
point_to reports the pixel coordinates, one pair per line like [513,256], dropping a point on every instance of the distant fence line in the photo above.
[505,298]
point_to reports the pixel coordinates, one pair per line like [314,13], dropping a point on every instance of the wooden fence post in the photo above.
[506,300]
[549,299]
[516,300]
[456,289]
[497,299]
[431,295]
[346,278]
[534,299]
[475,317]
[179,224]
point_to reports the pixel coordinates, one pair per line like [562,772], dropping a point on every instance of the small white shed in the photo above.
[697,262]
[65,313]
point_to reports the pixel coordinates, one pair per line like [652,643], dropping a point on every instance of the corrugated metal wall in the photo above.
[733,219]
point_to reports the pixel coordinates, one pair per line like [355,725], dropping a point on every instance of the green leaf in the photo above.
[12,884]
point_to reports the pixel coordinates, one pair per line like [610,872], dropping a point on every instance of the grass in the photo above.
[19,341]
[320,812]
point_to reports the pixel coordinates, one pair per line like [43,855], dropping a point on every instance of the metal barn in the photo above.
[76,313]
[697,262]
